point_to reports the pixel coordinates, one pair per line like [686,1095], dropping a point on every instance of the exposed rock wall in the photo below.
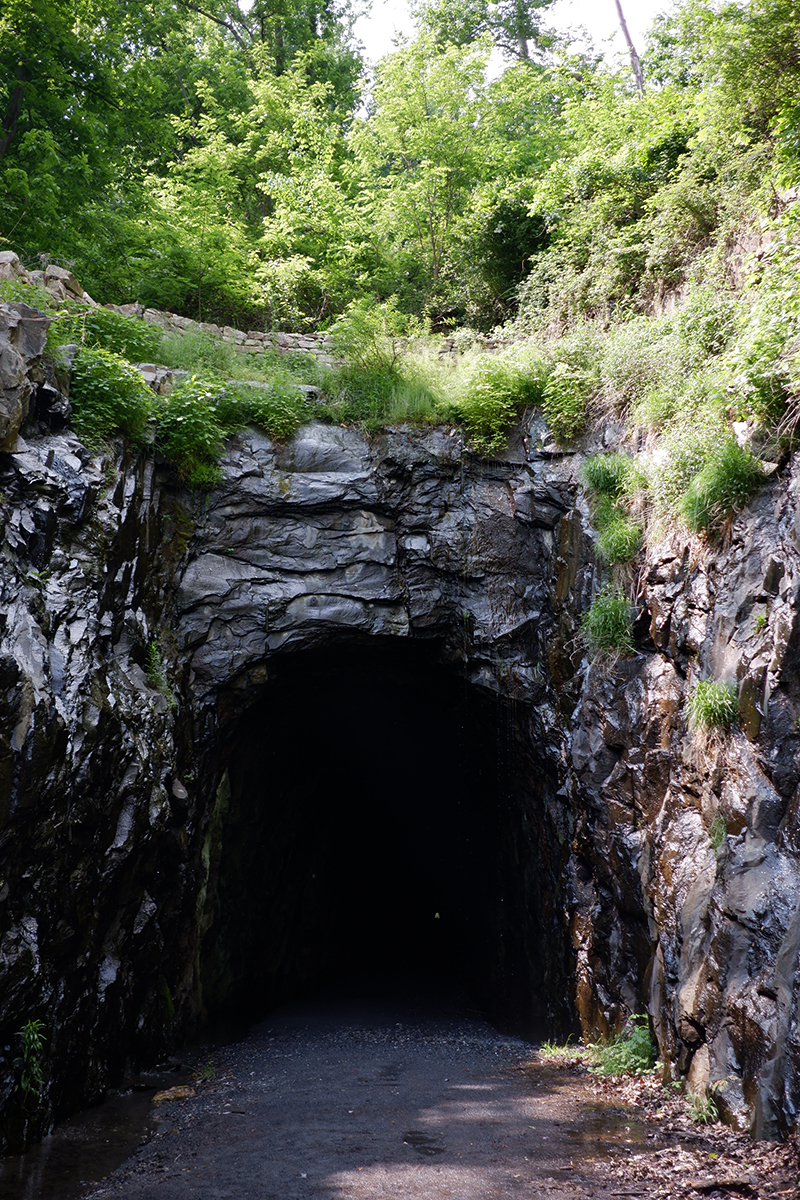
[703,826]
[113,755]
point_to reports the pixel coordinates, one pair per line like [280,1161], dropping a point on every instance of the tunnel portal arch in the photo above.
[400,567]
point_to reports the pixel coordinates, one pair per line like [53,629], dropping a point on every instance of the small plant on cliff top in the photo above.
[108,396]
[628,1053]
[607,627]
[31,1078]
[190,430]
[712,704]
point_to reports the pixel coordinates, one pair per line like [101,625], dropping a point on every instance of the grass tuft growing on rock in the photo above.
[607,628]
[724,483]
[610,476]
[712,704]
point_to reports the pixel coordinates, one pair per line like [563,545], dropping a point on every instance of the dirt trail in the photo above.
[359,1104]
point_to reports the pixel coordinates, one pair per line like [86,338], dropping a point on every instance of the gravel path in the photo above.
[396,1101]
[372,1104]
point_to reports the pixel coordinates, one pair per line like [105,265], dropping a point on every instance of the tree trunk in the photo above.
[522,26]
[635,63]
[12,114]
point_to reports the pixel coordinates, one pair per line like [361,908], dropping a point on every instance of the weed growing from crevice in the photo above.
[631,1052]
[712,704]
[30,1064]
[155,673]
[717,832]
[610,477]
[607,628]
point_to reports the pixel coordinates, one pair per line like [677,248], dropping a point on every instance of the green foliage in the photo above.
[376,396]
[198,352]
[718,831]
[631,1052]
[155,672]
[279,408]
[564,400]
[607,627]
[29,1064]
[619,534]
[608,474]
[99,327]
[367,336]
[704,1107]
[190,429]
[681,455]
[725,482]
[495,390]
[108,396]
[712,704]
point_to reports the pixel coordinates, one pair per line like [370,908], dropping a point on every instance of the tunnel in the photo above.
[380,816]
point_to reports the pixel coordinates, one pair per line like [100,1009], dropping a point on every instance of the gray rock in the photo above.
[23,333]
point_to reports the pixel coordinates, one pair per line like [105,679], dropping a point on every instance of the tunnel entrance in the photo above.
[381,815]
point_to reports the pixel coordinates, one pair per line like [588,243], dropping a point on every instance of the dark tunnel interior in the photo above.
[384,818]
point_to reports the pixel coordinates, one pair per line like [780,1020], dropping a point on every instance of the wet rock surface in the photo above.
[140,625]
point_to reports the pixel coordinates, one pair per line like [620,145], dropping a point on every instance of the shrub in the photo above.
[707,319]
[607,627]
[629,1053]
[712,704]
[496,390]
[564,400]
[638,357]
[108,396]
[125,336]
[368,334]
[190,431]
[725,482]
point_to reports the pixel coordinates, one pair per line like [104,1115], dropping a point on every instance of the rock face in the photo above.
[23,333]
[167,665]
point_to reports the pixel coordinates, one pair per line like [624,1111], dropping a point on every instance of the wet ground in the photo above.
[344,1101]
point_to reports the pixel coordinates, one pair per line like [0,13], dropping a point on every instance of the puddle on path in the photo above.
[80,1150]
[89,1145]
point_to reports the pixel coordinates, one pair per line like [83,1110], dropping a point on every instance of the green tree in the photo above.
[422,148]
[514,26]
